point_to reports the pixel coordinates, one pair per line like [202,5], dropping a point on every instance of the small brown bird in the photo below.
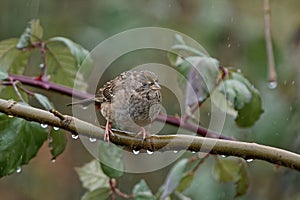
[131,100]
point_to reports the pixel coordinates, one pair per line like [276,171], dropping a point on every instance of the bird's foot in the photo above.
[144,133]
[107,131]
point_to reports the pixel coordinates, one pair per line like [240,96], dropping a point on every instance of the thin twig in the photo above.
[272,75]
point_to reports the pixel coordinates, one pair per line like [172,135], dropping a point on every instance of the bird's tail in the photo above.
[84,102]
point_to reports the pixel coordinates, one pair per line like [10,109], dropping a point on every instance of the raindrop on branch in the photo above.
[44,125]
[18,170]
[272,84]
[149,152]
[53,160]
[75,137]
[135,152]
[92,139]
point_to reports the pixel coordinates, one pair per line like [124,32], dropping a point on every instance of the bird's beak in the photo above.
[155,86]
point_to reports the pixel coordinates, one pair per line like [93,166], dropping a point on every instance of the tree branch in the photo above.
[158,143]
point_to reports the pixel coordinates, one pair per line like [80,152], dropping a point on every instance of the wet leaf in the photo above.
[44,101]
[32,33]
[227,170]
[174,178]
[3,74]
[63,62]
[99,193]
[234,171]
[242,184]
[92,176]
[185,182]
[244,98]
[111,156]
[9,93]
[20,141]
[202,78]
[141,191]
[58,142]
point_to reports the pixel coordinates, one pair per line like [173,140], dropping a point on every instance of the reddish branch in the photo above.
[176,121]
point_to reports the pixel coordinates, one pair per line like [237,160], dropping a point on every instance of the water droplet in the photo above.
[284,82]
[293,82]
[135,152]
[223,156]
[55,128]
[92,139]
[149,152]
[75,137]
[18,170]
[10,116]
[53,160]
[84,107]
[41,65]
[44,125]
[239,70]
[249,160]
[175,151]
[272,84]
[193,151]
[229,45]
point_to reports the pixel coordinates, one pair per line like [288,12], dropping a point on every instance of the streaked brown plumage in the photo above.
[130,100]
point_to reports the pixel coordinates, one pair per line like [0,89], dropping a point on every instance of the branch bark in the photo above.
[157,143]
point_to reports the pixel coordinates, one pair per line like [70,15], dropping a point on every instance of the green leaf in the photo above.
[244,98]
[174,178]
[20,141]
[44,101]
[242,184]
[202,78]
[3,74]
[111,160]
[62,65]
[100,193]
[76,50]
[234,171]
[141,191]
[32,33]
[6,46]
[185,182]
[36,31]
[58,142]
[92,176]
[227,170]
[8,93]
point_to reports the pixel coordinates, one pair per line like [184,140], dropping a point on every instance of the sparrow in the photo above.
[132,99]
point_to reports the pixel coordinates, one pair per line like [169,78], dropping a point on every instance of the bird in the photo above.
[131,100]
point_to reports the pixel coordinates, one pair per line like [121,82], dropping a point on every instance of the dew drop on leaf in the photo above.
[55,128]
[272,84]
[135,152]
[75,137]
[44,125]
[149,152]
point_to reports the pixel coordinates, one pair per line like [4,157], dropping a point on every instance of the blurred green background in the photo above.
[230,30]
